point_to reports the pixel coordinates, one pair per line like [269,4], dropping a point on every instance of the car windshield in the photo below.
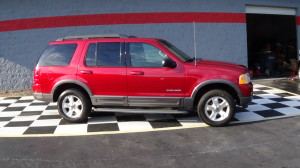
[180,54]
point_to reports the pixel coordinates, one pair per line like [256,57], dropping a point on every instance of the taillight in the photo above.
[36,87]
[36,75]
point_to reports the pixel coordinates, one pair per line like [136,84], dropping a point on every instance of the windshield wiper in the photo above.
[189,60]
[193,59]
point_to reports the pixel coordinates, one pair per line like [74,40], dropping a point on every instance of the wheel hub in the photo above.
[217,108]
[72,106]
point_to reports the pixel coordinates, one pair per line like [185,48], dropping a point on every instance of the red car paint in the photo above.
[181,81]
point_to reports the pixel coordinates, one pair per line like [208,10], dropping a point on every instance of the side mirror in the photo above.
[169,63]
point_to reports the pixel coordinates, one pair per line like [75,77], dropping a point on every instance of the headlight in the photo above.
[244,79]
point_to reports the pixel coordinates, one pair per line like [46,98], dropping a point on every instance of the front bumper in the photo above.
[245,101]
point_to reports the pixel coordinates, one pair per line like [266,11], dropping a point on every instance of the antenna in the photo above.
[195,49]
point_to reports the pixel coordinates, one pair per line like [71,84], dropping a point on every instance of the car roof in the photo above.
[102,37]
[82,37]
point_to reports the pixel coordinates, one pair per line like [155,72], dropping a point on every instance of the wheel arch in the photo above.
[68,84]
[206,86]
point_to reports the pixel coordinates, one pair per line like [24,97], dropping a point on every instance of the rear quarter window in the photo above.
[57,55]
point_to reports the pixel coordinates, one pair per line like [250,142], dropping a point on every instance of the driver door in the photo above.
[149,83]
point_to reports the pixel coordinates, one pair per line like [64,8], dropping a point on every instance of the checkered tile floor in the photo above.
[24,115]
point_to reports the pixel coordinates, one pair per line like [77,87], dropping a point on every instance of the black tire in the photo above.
[74,106]
[216,108]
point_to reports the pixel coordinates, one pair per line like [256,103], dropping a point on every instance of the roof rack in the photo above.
[95,36]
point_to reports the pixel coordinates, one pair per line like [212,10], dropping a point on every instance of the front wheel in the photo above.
[216,108]
[74,106]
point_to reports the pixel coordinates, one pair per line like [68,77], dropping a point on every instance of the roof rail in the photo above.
[95,36]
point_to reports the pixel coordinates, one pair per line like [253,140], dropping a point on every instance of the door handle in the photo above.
[137,73]
[86,72]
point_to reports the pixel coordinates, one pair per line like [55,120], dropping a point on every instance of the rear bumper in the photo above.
[43,97]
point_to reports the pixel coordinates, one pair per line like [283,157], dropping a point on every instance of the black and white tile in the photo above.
[24,115]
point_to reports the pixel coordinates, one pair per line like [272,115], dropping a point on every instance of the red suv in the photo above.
[82,72]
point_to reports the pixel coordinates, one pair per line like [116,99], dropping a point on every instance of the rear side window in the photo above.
[91,56]
[57,55]
[104,55]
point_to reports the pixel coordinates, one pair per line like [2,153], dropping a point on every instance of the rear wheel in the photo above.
[74,106]
[216,108]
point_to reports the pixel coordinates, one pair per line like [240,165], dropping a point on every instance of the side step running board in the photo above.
[155,111]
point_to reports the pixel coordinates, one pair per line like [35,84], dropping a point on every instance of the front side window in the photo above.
[180,54]
[104,55]
[145,55]
[57,55]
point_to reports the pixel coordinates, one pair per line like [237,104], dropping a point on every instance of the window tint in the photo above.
[109,54]
[90,59]
[104,55]
[145,55]
[180,54]
[57,55]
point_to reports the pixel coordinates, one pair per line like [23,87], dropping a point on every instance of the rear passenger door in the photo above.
[103,70]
